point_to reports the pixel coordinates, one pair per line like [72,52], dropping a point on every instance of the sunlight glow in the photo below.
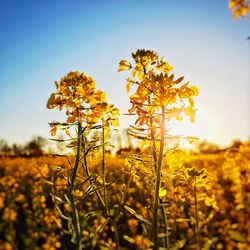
[204,127]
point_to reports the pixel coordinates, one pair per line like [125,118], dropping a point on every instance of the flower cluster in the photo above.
[76,93]
[239,8]
[157,89]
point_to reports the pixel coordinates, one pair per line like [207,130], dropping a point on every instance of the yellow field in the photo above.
[206,200]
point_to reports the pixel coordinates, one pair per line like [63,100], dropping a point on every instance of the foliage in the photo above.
[86,110]
[29,220]
[34,147]
[156,197]
[158,99]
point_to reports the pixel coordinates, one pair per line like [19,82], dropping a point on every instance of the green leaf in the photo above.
[206,246]
[138,216]
[237,236]
[182,220]
[129,239]
[102,226]
[56,168]
[48,182]
[90,215]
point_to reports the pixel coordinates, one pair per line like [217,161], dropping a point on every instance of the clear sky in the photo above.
[42,40]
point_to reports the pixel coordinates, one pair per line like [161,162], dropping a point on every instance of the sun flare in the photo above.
[204,127]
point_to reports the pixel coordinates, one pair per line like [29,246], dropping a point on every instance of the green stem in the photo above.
[103,170]
[75,215]
[88,174]
[158,181]
[113,220]
[153,145]
[76,222]
[152,133]
[165,219]
[78,151]
[116,234]
[197,229]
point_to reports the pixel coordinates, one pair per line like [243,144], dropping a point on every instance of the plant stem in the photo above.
[76,222]
[153,146]
[88,174]
[165,219]
[113,220]
[152,134]
[103,170]
[116,235]
[158,181]
[75,215]
[197,230]
[78,151]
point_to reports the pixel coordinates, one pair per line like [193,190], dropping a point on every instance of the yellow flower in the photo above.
[6,246]
[142,242]
[157,90]
[2,199]
[20,198]
[239,8]
[76,94]
[9,215]
[78,193]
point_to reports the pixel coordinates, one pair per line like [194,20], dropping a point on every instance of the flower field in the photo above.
[130,174]
[155,195]
[205,197]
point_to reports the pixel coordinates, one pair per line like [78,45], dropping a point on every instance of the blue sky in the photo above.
[41,41]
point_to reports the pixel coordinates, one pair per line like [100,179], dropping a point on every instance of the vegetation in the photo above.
[152,196]
[35,147]
[32,219]
[158,99]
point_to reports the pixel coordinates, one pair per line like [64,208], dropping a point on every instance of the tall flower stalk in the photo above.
[194,174]
[75,214]
[158,98]
[86,109]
